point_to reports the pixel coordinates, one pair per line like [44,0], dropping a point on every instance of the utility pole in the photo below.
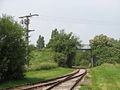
[25,20]
[92,63]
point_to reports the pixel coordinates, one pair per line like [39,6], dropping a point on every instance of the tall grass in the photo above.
[41,67]
[106,77]
[42,60]
[46,66]
[34,76]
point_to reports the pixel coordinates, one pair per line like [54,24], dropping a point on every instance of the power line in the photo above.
[76,20]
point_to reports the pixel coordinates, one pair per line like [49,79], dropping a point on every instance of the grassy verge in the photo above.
[41,67]
[42,60]
[34,76]
[104,77]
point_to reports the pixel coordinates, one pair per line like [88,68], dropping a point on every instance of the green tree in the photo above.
[108,49]
[54,33]
[31,47]
[53,36]
[12,49]
[40,42]
[101,41]
[82,58]
[66,44]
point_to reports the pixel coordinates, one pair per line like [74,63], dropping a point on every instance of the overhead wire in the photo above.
[75,20]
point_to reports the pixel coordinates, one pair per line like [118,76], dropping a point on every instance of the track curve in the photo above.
[67,82]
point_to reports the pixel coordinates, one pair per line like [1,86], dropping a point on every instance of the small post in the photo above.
[91,58]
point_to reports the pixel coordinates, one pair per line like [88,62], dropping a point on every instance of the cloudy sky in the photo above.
[85,18]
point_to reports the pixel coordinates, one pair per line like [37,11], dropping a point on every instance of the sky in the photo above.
[85,18]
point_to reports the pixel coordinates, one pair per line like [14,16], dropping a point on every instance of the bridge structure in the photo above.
[86,47]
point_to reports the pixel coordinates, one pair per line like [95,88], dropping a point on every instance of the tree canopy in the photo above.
[108,49]
[64,43]
[100,41]
[40,42]
[12,49]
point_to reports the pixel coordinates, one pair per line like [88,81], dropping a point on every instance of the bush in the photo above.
[12,49]
[106,48]
[62,42]
[47,66]
[60,59]
[84,63]
[43,66]
[112,60]
[82,58]
[31,47]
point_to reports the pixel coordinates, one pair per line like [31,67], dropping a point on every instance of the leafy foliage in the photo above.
[31,48]
[40,42]
[100,41]
[60,58]
[82,58]
[47,66]
[12,49]
[66,44]
[108,49]
[54,33]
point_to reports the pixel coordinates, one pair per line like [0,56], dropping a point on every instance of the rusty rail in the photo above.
[52,82]
[45,81]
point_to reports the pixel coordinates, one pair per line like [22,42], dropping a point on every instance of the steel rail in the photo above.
[79,80]
[40,82]
[55,84]
[70,78]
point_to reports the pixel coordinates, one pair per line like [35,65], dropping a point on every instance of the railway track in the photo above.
[67,82]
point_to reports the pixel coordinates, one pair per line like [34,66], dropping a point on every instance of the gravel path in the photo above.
[66,85]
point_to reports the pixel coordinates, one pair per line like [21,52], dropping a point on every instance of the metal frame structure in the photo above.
[86,47]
